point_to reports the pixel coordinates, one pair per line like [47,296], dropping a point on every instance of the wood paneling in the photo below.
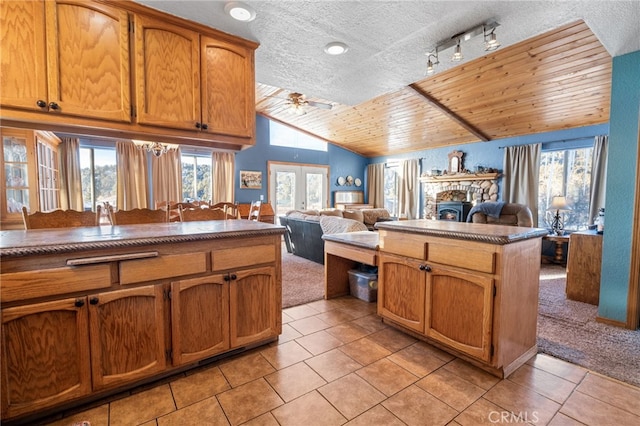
[554,81]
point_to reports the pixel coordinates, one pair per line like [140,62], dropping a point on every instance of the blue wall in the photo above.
[341,162]
[621,183]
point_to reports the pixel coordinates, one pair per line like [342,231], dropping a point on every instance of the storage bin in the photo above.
[363,285]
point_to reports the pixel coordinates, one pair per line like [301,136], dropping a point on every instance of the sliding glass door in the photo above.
[298,187]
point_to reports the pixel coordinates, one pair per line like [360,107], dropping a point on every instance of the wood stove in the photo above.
[455,211]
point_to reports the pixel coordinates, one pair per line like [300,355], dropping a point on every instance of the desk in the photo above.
[342,252]
[583,267]
[560,240]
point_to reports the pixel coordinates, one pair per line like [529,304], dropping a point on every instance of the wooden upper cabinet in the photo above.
[23,65]
[228,89]
[167,65]
[66,57]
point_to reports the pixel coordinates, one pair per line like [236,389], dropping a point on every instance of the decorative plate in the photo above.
[349,180]
[358,182]
[341,181]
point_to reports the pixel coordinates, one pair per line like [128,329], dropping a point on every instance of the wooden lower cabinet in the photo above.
[45,355]
[477,300]
[127,335]
[402,298]
[63,350]
[459,310]
[199,318]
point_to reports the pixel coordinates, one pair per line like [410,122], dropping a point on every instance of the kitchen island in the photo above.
[92,311]
[470,289]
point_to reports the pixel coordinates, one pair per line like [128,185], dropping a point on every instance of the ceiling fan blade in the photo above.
[319,105]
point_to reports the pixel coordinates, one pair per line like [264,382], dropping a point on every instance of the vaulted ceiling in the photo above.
[557,80]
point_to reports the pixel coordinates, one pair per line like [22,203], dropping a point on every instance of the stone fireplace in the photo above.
[460,187]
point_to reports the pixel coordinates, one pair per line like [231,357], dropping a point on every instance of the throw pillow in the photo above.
[354,215]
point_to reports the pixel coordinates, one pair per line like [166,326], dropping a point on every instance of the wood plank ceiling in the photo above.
[557,80]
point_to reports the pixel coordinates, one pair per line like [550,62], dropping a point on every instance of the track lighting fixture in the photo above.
[488,32]
[457,53]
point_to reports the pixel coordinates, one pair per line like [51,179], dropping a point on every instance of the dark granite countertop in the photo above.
[494,234]
[42,241]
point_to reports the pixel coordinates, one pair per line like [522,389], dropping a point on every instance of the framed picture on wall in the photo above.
[250,179]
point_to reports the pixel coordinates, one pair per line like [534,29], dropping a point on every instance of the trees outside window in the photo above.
[99,176]
[196,178]
[567,173]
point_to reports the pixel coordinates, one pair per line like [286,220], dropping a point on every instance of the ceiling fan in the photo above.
[298,102]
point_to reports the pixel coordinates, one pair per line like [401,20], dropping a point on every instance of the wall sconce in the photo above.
[156,148]
[560,205]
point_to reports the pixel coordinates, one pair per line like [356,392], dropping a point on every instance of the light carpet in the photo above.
[566,329]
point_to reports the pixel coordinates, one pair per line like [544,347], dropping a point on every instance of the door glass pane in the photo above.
[314,191]
[16,174]
[285,192]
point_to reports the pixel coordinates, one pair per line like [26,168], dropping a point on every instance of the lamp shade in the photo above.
[559,203]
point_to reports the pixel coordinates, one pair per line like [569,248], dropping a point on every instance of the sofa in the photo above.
[305,228]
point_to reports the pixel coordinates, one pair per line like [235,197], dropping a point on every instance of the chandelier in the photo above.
[156,148]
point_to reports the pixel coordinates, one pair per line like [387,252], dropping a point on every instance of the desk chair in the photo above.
[60,218]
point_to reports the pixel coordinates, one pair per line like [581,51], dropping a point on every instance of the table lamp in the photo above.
[559,204]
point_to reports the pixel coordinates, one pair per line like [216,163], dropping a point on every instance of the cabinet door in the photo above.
[23,67]
[88,60]
[19,184]
[252,295]
[127,335]
[228,88]
[460,311]
[45,355]
[167,64]
[401,291]
[199,318]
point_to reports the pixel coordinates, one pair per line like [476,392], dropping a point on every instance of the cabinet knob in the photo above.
[93,300]
[79,303]
[198,125]
[205,126]
[41,104]
[227,278]
[234,276]
[425,268]
[54,106]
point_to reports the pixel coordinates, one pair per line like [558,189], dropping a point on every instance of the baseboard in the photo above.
[611,322]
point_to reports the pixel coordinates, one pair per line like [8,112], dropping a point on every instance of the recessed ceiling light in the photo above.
[336,48]
[240,11]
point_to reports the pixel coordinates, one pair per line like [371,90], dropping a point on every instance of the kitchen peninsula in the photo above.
[95,310]
[470,289]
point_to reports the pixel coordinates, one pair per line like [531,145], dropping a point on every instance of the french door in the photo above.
[293,186]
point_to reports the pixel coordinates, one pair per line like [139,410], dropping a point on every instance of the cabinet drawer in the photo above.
[242,256]
[157,268]
[409,245]
[51,282]
[456,255]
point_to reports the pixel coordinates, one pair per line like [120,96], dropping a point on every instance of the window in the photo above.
[99,182]
[196,177]
[568,173]
[280,135]
[391,187]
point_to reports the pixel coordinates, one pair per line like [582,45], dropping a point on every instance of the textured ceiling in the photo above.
[552,71]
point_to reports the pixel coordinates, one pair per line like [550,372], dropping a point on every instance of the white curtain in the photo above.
[70,175]
[598,175]
[223,177]
[522,176]
[132,176]
[375,184]
[166,176]
[409,186]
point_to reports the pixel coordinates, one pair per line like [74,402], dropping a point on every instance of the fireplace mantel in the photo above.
[459,177]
